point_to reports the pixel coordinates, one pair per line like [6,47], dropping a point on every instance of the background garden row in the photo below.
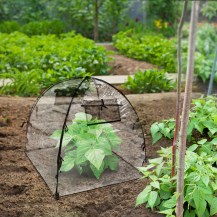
[41,53]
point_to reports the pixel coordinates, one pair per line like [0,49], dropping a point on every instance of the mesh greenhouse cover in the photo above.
[84,134]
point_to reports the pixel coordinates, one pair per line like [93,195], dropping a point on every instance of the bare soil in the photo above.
[24,193]
[121,65]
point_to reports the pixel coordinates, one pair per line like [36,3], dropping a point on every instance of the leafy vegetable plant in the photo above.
[200,165]
[202,122]
[150,47]
[53,58]
[149,81]
[205,49]
[200,182]
[89,148]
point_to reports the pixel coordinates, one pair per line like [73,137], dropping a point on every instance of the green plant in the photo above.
[209,9]
[89,148]
[22,84]
[9,26]
[148,47]
[166,12]
[162,129]
[149,81]
[205,49]
[200,172]
[202,121]
[43,27]
[54,58]
[200,182]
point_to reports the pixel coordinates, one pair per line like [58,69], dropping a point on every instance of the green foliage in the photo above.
[89,148]
[206,42]
[43,27]
[22,84]
[161,51]
[200,182]
[159,9]
[166,12]
[53,58]
[76,15]
[149,81]
[148,47]
[209,9]
[202,121]
[34,28]
[9,26]
[200,179]
[163,129]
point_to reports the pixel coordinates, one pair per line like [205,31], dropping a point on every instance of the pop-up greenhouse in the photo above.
[84,134]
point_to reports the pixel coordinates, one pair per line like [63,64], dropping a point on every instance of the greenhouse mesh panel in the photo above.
[54,111]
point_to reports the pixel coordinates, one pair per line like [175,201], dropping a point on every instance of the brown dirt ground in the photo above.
[23,192]
[122,65]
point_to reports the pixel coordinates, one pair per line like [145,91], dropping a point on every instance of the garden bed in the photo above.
[25,194]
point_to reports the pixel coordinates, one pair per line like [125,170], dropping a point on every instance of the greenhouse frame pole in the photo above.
[212,74]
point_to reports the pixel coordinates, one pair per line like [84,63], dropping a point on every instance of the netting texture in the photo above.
[105,104]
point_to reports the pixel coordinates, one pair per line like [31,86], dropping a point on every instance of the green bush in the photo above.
[148,47]
[200,166]
[34,28]
[43,28]
[149,81]
[9,26]
[54,58]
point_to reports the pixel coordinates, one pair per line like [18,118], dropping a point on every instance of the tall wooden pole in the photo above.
[179,80]
[186,108]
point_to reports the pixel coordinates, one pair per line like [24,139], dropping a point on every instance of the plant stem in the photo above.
[186,108]
[179,80]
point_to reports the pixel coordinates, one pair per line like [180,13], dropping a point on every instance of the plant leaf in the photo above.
[68,162]
[113,162]
[97,172]
[152,198]
[189,213]
[82,149]
[143,196]
[201,142]
[213,207]
[95,156]
[154,129]
[214,141]
[170,203]
[155,184]
[200,202]
[205,180]
[192,147]
[156,161]
[156,137]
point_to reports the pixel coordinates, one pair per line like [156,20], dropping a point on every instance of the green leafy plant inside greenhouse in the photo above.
[89,149]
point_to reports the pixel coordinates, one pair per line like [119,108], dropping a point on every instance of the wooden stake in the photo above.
[179,81]
[186,108]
